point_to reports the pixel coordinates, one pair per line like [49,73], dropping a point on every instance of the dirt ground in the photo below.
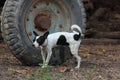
[99,62]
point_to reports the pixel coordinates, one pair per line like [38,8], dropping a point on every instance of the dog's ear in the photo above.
[46,34]
[35,33]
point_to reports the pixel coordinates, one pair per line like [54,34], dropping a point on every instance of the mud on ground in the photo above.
[99,62]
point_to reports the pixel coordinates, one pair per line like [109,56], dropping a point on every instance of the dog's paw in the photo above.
[44,66]
[77,67]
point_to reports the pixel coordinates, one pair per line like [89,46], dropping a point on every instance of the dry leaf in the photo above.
[117,16]
[21,71]
[62,69]
[86,55]
[24,71]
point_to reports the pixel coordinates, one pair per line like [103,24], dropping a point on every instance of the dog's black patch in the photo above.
[77,37]
[42,39]
[62,41]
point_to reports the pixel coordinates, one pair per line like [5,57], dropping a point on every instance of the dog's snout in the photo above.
[33,45]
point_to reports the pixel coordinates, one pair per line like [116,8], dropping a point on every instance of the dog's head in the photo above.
[39,40]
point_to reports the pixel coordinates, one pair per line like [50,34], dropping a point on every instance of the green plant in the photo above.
[45,72]
[28,76]
[41,73]
[94,68]
[88,74]
[11,71]
[59,75]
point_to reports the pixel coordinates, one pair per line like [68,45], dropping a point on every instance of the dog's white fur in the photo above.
[52,39]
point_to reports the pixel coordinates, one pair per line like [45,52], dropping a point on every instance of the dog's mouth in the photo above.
[35,46]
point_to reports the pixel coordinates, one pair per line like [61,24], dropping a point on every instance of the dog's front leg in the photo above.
[42,53]
[43,56]
[49,53]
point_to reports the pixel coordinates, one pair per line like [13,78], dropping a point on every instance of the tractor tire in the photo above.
[18,22]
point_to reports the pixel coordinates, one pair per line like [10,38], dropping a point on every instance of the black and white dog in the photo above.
[49,41]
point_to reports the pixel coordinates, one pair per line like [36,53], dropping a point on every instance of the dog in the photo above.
[49,41]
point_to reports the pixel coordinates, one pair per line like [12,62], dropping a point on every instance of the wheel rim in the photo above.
[44,15]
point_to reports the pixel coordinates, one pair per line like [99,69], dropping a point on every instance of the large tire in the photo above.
[15,34]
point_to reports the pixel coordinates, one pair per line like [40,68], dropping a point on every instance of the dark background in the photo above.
[103,21]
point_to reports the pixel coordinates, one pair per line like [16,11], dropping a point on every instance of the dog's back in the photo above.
[65,38]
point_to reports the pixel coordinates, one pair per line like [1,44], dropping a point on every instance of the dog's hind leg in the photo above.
[74,52]
[78,60]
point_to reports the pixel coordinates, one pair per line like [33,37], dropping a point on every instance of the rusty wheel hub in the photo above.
[42,21]
[42,16]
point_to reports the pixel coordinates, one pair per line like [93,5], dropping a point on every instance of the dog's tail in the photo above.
[76,28]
